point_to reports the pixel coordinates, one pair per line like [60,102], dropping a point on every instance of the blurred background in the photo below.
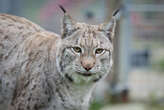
[137,80]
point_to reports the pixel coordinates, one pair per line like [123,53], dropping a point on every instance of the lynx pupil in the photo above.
[77,49]
[99,51]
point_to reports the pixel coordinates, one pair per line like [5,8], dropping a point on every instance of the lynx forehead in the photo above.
[89,35]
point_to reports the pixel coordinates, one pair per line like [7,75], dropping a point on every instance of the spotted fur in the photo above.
[39,70]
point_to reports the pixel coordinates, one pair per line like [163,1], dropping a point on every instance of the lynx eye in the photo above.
[77,49]
[99,51]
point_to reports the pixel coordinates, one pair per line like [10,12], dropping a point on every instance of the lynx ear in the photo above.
[68,24]
[109,28]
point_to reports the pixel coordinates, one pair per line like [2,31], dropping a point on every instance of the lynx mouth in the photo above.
[85,74]
[90,75]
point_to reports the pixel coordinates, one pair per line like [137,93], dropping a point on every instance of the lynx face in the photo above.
[85,53]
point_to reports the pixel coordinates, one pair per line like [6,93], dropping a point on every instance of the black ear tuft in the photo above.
[62,8]
[115,12]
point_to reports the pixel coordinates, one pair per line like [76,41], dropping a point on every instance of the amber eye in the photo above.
[99,51]
[77,49]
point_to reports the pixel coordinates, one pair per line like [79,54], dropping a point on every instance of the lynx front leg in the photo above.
[32,93]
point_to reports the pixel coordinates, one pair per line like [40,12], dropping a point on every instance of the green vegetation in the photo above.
[159,65]
[96,105]
[155,107]
[155,103]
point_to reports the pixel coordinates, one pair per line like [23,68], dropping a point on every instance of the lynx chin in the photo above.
[40,70]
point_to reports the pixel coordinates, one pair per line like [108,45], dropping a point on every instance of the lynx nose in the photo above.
[88,68]
[88,63]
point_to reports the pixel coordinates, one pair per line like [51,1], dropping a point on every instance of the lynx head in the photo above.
[85,52]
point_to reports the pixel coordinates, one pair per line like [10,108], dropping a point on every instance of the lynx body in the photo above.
[40,70]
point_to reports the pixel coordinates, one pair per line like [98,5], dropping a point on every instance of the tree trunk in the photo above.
[113,5]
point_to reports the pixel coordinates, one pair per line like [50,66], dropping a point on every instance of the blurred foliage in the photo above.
[159,65]
[155,107]
[146,1]
[96,105]
[32,12]
[155,102]
[153,99]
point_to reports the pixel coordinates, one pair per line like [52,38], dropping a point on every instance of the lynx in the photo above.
[40,70]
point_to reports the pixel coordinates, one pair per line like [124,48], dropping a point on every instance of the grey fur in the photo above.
[40,71]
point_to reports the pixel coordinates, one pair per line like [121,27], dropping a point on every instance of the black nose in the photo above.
[88,68]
